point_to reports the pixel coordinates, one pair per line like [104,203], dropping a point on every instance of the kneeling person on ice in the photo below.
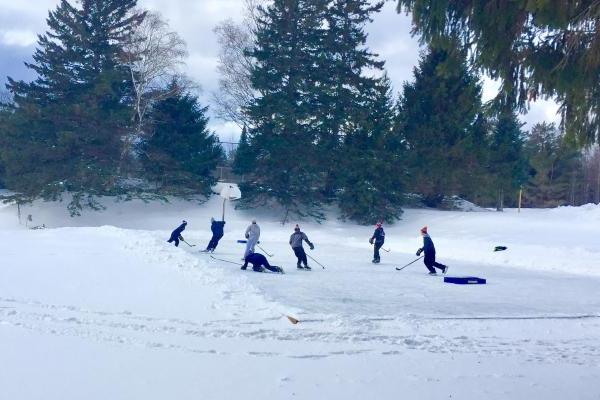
[429,250]
[296,243]
[176,234]
[378,238]
[259,263]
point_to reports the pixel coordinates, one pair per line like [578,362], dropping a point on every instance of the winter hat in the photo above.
[254,221]
[296,228]
[184,222]
[424,229]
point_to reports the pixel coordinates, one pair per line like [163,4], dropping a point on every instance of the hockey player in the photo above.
[296,242]
[217,230]
[176,234]
[429,250]
[259,263]
[252,235]
[377,239]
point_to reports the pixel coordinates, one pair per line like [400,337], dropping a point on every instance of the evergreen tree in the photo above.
[66,128]
[373,168]
[344,90]
[552,163]
[243,157]
[508,164]
[535,47]
[182,153]
[440,115]
[283,132]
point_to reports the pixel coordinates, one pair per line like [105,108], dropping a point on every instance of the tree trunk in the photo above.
[500,204]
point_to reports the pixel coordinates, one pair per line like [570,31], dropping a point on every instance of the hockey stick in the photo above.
[191,245]
[227,261]
[266,252]
[316,261]
[383,248]
[412,262]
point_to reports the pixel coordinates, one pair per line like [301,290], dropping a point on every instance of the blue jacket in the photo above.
[177,232]
[428,246]
[378,235]
[217,227]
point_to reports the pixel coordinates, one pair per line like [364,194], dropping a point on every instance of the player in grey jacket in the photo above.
[296,242]
[252,235]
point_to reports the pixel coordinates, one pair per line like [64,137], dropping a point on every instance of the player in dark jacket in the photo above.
[259,263]
[217,230]
[377,239]
[429,250]
[176,234]
[296,242]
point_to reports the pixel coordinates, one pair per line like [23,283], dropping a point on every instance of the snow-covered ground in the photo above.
[101,307]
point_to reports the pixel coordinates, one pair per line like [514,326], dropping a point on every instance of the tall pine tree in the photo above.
[346,82]
[283,134]
[372,168]
[66,128]
[439,115]
[508,164]
[182,153]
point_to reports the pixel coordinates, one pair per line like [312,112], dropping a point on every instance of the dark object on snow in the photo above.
[217,230]
[465,280]
[500,248]
[176,234]
[245,241]
[259,263]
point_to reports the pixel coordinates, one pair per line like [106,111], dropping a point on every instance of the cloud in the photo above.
[21,38]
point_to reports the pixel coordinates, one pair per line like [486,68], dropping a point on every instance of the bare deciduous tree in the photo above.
[235,88]
[154,57]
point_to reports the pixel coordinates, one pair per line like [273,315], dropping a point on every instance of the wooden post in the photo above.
[520,197]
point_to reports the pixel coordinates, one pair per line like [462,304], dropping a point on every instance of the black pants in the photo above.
[174,239]
[430,262]
[378,245]
[265,264]
[214,242]
[301,255]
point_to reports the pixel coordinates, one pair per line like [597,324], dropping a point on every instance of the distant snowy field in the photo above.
[101,307]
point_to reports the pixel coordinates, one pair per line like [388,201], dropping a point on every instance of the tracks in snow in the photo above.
[344,338]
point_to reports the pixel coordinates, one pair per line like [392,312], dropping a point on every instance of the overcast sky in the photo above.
[389,36]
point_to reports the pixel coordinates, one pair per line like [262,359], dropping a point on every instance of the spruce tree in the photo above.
[537,48]
[283,132]
[66,128]
[438,114]
[347,84]
[243,157]
[182,153]
[372,169]
[508,164]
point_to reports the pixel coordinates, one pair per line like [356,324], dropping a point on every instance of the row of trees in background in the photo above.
[111,114]
[322,126]
[108,113]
